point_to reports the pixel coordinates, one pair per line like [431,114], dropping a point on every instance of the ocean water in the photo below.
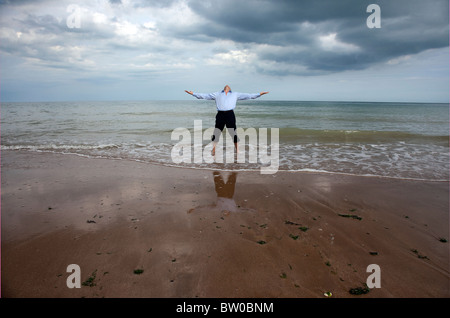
[395,140]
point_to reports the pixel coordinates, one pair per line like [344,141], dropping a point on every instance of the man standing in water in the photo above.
[225,103]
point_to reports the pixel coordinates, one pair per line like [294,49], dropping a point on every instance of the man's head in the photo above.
[226,89]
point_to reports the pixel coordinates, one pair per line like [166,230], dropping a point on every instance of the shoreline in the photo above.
[306,170]
[206,233]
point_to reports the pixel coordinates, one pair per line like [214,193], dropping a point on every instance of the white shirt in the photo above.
[226,101]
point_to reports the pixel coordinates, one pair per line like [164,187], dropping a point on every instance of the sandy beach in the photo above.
[142,230]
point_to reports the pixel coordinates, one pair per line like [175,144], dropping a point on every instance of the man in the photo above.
[225,103]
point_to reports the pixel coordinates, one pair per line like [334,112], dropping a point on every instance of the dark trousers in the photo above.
[225,118]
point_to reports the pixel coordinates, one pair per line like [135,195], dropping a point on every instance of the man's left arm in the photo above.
[245,96]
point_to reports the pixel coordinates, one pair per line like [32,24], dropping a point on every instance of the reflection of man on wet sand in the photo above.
[225,192]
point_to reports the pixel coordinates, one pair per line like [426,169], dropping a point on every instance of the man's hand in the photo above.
[189,92]
[263,93]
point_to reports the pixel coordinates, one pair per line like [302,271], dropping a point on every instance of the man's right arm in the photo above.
[210,96]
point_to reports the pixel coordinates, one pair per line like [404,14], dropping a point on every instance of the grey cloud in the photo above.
[15,2]
[154,3]
[48,43]
[408,27]
[284,34]
[273,16]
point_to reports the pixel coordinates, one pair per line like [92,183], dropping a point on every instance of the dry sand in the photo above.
[196,235]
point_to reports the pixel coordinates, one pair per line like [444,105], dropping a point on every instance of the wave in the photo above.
[351,151]
[59,147]
[215,166]
[296,135]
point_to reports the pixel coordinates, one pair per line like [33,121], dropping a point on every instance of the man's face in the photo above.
[226,89]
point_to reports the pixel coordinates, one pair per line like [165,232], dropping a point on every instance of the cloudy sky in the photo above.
[152,50]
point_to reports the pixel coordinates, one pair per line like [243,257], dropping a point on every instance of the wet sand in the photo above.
[200,233]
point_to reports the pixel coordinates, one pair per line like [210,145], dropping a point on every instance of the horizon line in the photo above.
[180,100]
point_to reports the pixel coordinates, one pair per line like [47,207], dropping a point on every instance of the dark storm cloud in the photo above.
[262,16]
[407,27]
[282,37]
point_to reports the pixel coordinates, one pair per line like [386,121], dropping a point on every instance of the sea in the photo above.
[389,140]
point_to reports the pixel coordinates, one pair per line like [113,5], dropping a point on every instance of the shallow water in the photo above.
[399,140]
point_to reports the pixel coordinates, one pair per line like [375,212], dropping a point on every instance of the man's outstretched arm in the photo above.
[244,96]
[210,96]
